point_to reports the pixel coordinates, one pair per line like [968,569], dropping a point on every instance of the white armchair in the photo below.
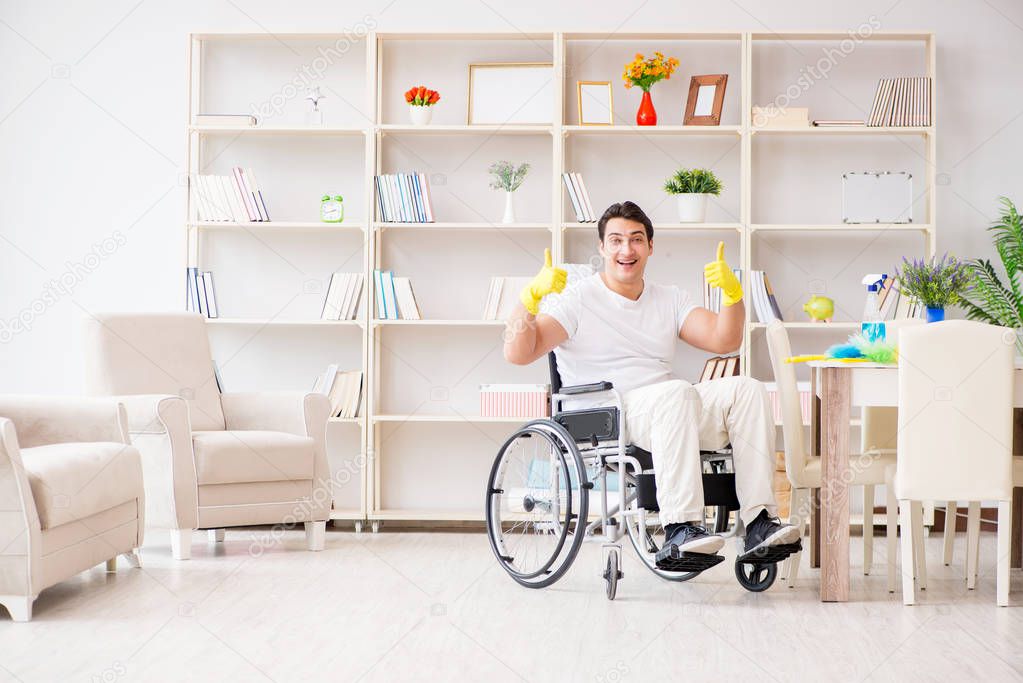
[211,460]
[71,493]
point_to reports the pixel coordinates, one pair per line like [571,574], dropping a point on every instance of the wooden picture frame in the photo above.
[489,87]
[706,95]
[598,112]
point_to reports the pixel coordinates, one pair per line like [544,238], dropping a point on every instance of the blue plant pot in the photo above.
[935,315]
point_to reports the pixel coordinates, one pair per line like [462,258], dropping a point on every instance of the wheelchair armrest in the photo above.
[585,388]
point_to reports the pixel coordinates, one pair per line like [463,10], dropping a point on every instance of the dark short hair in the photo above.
[629,211]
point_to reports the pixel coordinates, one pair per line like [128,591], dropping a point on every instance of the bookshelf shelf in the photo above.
[481,225]
[278,322]
[277,130]
[847,130]
[450,350]
[347,226]
[841,227]
[652,130]
[478,129]
[346,420]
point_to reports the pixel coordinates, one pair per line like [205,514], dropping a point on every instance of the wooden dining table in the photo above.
[839,386]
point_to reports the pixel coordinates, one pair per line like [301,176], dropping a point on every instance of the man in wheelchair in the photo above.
[613,325]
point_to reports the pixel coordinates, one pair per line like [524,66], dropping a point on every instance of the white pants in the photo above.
[675,419]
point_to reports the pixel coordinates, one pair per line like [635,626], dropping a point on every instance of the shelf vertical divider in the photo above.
[558,143]
[746,202]
[373,95]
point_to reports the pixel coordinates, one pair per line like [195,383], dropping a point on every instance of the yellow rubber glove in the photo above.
[549,279]
[718,274]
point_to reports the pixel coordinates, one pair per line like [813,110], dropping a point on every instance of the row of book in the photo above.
[200,295]
[343,388]
[579,197]
[342,299]
[712,294]
[718,367]
[764,302]
[404,198]
[901,102]
[504,291]
[395,298]
[236,198]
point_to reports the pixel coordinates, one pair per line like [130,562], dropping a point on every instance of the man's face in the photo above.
[625,250]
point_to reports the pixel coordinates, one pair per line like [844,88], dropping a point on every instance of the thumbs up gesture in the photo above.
[719,274]
[549,279]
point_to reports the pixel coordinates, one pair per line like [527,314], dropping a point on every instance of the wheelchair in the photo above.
[548,473]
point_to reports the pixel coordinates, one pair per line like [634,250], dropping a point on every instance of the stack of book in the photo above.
[234,198]
[404,198]
[200,296]
[764,302]
[395,298]
[712,295]
[342,299]
[901,102]
[720,366]
[343,388]
[579,197]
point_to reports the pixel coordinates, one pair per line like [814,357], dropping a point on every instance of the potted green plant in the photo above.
[936,284]
[692,186]
[988,299]
[508,178]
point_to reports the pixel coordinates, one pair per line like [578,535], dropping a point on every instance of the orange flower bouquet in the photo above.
[421,96]
[421,100]
[644,73]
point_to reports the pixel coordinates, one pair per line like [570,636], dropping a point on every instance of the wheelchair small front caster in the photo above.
[612,570]
[756,577]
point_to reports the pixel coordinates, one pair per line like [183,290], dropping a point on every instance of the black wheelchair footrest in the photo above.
[770,554]
[671,560]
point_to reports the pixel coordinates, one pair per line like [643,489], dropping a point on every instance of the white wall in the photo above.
[92,147]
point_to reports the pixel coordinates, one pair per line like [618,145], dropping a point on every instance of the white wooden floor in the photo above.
[435,606]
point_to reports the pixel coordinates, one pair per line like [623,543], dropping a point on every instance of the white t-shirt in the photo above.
[613,338]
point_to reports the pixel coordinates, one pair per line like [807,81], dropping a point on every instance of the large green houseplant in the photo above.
[989,299]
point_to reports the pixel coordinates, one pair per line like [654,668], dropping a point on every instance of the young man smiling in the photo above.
[616,326]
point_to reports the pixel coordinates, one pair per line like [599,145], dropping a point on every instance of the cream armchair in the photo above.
[71,494]
[211,460]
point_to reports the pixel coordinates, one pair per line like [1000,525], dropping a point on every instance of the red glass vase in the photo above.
[647,115]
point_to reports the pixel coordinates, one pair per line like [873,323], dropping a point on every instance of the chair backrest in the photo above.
[880,425]
[788,394]
[154,353]
[955,412]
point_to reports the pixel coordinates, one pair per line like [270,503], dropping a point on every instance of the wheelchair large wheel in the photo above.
[647,536]
[537,503]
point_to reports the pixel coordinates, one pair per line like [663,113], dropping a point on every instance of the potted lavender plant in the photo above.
[936,284]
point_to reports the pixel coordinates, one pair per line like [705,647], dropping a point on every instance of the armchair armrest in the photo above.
[156,413]
[295,412]
[43,420]
[19,520]
[585,388]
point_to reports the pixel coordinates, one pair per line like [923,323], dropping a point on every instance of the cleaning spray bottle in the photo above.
[873,325]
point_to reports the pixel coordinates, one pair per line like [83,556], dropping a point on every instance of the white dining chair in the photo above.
[955,432]
[803,469]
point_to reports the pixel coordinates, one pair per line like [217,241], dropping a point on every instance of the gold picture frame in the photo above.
[595,87]
[540,78]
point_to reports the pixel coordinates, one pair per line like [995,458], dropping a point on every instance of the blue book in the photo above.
[390,296]
[406,211]
[378,282]
[419,197]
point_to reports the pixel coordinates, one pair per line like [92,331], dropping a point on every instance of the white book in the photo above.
[352,305]
[226,186]
[238,207]
[572,198]
[410,189]
[242,194]
[427,201]
[392,190]
[355,396]
[378,289]
[257,194]
[386,212]
[579,197]
[337,391]
[327,380]
[325,312]
[390,299]
[344,295]
[211,295]
[493,296]
[198,201]
[209,198]
[406,213]
[406,299]
[586,198]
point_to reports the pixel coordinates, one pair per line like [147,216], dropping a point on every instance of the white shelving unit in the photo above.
[398,431]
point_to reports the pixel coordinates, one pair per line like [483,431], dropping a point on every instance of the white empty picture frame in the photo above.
[511,92]
[877,197]
[596,103]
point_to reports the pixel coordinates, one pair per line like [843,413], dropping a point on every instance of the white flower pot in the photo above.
[509,208]
[420,115]
[692,208]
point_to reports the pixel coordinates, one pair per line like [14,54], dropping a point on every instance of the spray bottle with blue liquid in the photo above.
[873,325]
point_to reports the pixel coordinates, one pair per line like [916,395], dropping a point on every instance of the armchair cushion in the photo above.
[71,481]
[230,457]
